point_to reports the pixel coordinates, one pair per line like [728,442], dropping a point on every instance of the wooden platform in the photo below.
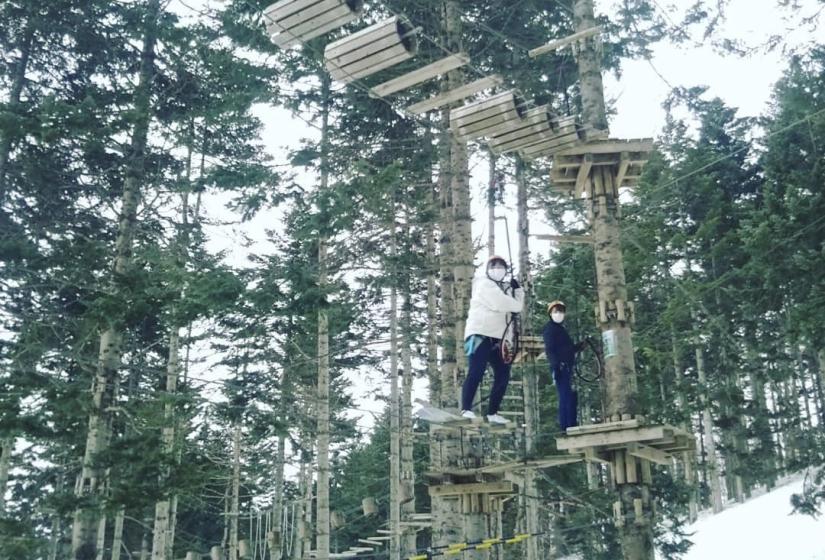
[653,443]
[572,167]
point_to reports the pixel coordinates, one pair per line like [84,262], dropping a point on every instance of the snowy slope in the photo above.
[760,529]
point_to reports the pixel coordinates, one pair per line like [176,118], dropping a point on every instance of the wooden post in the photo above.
[620,371]
[216,553]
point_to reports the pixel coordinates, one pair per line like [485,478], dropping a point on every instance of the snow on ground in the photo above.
[760,529]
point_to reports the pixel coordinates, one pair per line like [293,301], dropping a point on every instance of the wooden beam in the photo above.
[593,456]
[650,453]
[502,487]
[604,427]
[454,95]
[616,438]
[583,176]
[421,75]
[560,43]
[624,165]
[610,147]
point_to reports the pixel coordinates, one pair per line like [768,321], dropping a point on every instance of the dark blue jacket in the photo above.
[558,345]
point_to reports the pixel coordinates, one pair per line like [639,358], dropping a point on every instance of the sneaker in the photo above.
[468,414]
[496,419]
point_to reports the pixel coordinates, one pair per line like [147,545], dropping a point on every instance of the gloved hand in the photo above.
[514,284]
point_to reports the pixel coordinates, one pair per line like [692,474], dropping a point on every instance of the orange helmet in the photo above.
[556,303]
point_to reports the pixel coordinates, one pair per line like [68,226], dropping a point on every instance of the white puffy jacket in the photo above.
[489,306]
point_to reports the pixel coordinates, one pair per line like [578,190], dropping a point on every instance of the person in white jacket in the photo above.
[492,300]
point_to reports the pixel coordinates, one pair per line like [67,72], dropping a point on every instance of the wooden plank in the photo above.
[537,121]
[561,43]
[421,75]
[501,487]
[369,66]
[583,175]
[370,542]
[619,467]
[478,107]
[288,41]
[325,7]
[631,473]
[604,427]
[376,48]
[284,8]
[650,453]
[624,165]
[362,38]
[304,31]
[454,95]
[593,456]
[617,437]
[558,142]
[611,147]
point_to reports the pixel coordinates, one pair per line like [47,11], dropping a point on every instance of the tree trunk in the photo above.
[408,539]
[145,551]
[711,461]
[86,517]
[529,377]
[16,90]
[621,388]
[433,373]
[117,539]
[395,433]
[278,500]
[820,383]
[322,528]
[492,193]
[234,504]
[162,542]
[689,458]
[101,537]
[6,447]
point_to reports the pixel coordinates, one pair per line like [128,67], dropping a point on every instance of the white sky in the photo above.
[639,92]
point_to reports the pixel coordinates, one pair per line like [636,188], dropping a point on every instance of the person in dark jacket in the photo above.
[561,353]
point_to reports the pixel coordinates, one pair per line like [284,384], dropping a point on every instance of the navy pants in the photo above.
[488,352]
[563,376]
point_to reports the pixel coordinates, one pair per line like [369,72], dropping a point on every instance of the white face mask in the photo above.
[498,273]
[557,316]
